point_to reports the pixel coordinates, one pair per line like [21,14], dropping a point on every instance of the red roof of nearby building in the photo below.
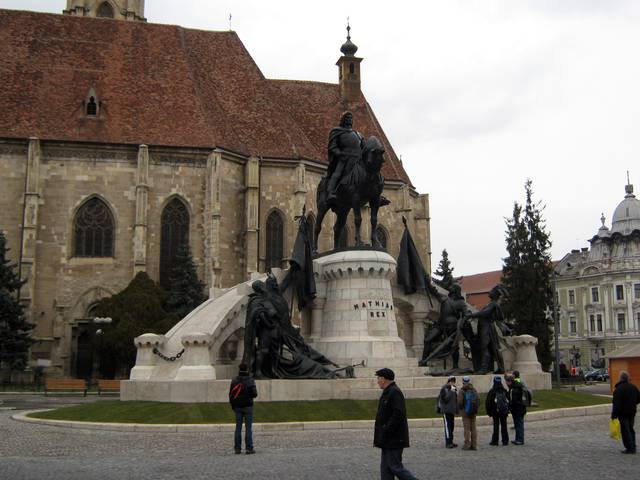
[480,282]
[161,85]
[476,288]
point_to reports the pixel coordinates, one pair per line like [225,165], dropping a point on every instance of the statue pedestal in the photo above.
[358,320]
[526,358]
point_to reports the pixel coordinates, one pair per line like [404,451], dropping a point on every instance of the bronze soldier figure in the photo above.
[453,310]
[345,149]
[489,318]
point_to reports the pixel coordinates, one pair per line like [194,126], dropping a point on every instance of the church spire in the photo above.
[349,69]
[349,48]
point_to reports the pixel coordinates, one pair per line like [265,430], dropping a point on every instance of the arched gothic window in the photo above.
[382,237]
[105,10]
[175,232]
[275,240]
[93,229]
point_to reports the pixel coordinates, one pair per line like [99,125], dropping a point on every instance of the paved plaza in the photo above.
[562,448]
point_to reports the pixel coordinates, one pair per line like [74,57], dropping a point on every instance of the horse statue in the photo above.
[364,183]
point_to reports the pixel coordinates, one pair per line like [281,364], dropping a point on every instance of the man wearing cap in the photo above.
[625,400]
[468,403]
[391,432]
[448,407]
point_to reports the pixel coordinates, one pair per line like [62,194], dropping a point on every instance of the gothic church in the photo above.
[119,139]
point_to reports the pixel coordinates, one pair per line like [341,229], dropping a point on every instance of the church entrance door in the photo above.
[84,352]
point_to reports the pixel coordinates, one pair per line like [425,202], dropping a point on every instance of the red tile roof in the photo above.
[161,85]
[480,282]
[476,288]
[317,108]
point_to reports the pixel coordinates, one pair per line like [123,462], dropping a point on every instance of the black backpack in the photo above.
[236,391]
[239,393]
[502,402]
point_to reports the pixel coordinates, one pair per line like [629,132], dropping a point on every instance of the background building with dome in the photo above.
[121,138]
[599,289]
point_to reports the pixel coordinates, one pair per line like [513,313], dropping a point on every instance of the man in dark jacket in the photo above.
[391,428]
[517,407]
[241,394]
[625,400]
[497,407]
[448,407]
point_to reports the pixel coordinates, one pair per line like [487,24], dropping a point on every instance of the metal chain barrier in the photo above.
[173,358]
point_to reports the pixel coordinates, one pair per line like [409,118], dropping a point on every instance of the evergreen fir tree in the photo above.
[137,309]
[527,272]
[445,271]
[15,338]
[186,291]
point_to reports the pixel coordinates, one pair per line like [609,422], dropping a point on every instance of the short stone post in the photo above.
[526,360]
[196,360]
[145,358]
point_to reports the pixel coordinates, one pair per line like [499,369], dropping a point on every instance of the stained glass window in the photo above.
[175,232]
[93,230]
[275,240]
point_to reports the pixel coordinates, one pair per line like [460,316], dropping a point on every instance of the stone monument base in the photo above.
[366,388]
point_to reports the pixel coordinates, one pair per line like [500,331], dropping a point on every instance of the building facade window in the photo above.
[621,323]
[573,325]
[592,323]
[597,357]
[619,292]
[175,231]
[275,241]
[595,295]
[93,230]
[105,10]
[92,107]
[572,297]
[636,291]
[599,322]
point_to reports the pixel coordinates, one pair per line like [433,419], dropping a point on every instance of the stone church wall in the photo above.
[12,170]
[216,187]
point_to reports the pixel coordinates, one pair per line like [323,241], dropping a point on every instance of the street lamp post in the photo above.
[556,327]
[100,332]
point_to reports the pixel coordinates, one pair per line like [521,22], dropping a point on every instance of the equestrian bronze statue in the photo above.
[353,179]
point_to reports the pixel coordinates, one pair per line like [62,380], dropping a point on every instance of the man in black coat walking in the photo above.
[625,400]
[391,428]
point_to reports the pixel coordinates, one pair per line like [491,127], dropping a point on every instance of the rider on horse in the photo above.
[345,149]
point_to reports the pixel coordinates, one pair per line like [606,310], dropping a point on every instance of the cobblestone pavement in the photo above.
[562,448]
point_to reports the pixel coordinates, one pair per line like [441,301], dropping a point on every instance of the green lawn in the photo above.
[158,412]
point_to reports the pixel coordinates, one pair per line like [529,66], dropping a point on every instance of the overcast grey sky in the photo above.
[476,96]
